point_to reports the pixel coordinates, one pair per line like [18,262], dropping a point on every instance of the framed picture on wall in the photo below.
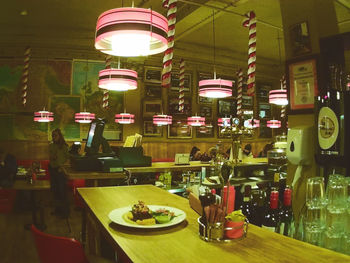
[179,130]
[153,74]
[300,39]
[175,82]
[206,131]
[205,100]
[247,101]
[174,106]
[152,107]
[206,111]
[227,107]
[153,91]
[151,130]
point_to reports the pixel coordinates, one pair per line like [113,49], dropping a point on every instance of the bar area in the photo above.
[175,131]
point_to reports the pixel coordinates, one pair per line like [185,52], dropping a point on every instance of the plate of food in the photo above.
[141,215]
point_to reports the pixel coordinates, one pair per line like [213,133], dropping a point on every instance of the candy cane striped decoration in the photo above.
[168,55]
[283,86]
[108,61]
[239,92]
[182,86]
[25,75]
[250,22]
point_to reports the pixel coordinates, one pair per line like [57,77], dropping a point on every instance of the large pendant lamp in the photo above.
[278,97]
[224,122]
[117,79]
[162,119]
[215,88]
[43,116]
[252,123]
[196,121]
[84,116]
[131,32]
[274,124]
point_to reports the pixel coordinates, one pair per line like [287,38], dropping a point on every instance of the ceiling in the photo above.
[70,26]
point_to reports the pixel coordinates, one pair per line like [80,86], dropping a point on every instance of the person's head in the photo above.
[194,150]
[57,137]
[197,156]
[212,152]
[247,149]
[267,148]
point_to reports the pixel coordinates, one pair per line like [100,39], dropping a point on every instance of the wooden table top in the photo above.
[72,174]
[167,166]
[181,243]
[35,186]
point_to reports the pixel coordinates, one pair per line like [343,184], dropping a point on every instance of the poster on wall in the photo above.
[85,85]
[64,109]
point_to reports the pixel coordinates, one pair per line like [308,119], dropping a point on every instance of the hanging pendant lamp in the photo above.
[131,32]
[196,121]
[43,116]
[252,123]
[124,118]
[224,122]
[278,97]
[215,88]
[274,124]
[84,117]
[162,119]
[117,79]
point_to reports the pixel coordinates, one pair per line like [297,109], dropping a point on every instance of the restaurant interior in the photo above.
[189,131]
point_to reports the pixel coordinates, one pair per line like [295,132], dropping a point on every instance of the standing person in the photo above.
[8,169]
[58,155]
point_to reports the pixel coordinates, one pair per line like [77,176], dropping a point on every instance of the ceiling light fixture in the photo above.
[43,116]
[224,122]
[215,88]
[117,79]
[274,124]
[196,121]
[162,119]
[131,32]
[124,118]
[278,97]
[252,123]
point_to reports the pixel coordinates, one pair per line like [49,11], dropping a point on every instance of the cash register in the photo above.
[94,160]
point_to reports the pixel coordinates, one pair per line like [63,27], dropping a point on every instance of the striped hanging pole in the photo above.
[168,55]
[284,87]
[108,61]
[250,22]
[182,86]
[25,75]
[239,92]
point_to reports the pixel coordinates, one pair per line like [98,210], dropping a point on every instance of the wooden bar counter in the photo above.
[181,243]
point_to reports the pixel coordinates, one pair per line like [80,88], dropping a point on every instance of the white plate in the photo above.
[117,216]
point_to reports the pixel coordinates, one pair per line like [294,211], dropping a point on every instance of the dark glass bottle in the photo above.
[271,217]
[247,206]
[259,206]
[286,226]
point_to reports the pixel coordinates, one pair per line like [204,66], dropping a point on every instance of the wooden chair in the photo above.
[55,249]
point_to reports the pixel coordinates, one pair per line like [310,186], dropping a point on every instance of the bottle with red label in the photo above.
[271,218]
[286,226]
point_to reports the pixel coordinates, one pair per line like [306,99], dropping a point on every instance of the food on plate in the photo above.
[163,216]
[140,211]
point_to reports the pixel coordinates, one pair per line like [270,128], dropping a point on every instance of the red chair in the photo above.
[74,184]
[7,200]
[54,249]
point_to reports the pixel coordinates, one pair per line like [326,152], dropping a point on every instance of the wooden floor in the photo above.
[16,243]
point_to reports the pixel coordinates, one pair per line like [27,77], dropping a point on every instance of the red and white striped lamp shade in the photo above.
[196,121]
[124,118]
[162,120]
[131,32]
[215,88]
[273,124]
[84,117]
[278,97]
[43,116]
[117,79]
[224,122]
[252,123]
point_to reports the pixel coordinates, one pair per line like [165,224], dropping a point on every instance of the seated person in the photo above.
[267,148]
[205,157]
[195,154]
[8,169]
[247,151]
[212,152]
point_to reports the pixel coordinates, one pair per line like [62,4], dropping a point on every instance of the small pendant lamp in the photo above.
[278,97]
[84,117]
[117,79]
[252,123]
[224,122]
[124,118]
[274,124]
[43,116]
[215,88]
[196,121]
[162,119]
[131,32]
